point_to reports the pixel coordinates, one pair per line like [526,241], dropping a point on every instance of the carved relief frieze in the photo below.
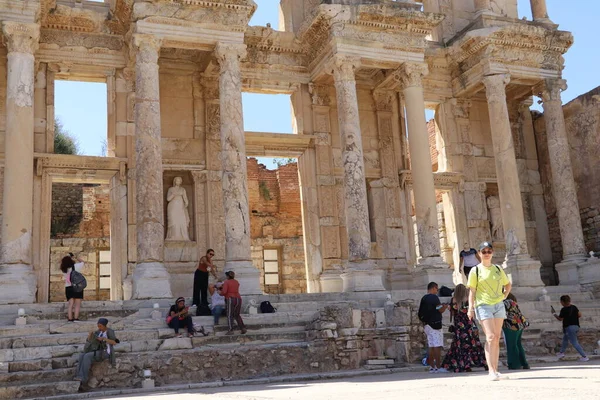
[88,40]
[320,94]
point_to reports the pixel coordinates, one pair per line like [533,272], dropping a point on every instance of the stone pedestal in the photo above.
[17,280]
[568,271]
[410,77]
[238,256]
[331,283]
[150,279]
[563,183]
[362,277]
[513,220]
[355,189]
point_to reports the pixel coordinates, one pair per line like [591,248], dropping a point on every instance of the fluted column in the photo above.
[563,183]
[235,176]
[410,77]
[17,280]
[525,272]
[150,279]
[359,275]
[539,11]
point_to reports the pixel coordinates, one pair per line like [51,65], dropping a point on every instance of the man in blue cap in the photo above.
[98,347]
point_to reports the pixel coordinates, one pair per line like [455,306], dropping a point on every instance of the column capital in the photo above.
[319,94]
[550,89]
[461,107]
[495,85]
[227,53]
[21,37]
[411,75]
[147,47]
[384,100]
[344,67]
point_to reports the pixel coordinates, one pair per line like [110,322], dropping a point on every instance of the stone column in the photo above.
[482,6]
[150,279]
[238,256]
[360,275]
[524,270]
[17,279]
[539,11]
[563,183]
[410,77]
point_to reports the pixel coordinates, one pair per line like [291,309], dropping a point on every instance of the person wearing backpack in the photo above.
[74,298]
[488,287]
[98,347]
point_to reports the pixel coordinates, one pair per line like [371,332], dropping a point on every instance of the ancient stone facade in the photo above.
[360,75]
[582,120]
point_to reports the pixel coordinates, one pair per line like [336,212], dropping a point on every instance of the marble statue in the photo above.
[178,217]
[493,203]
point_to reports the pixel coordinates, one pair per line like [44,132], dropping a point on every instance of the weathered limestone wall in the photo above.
[276,223]
[80,210]
[582,118]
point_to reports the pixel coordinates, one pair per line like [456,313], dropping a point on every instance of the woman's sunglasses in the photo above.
[487,252]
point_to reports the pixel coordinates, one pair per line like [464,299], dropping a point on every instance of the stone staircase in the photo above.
[40,357]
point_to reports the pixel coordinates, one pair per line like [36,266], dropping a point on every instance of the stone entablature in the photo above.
[360,76]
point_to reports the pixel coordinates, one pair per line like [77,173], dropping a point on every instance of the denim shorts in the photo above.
[487,311]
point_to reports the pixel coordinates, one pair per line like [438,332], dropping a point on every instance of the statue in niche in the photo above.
[178,217]
[493,203]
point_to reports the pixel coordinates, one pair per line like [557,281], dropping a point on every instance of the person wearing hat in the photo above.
[98,347]
[217,301]
[233,300]
[489,286]
[179,317]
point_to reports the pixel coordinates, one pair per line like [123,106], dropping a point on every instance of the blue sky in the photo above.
[82,107]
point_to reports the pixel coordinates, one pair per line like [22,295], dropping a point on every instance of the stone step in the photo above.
[20,391]
[53,375]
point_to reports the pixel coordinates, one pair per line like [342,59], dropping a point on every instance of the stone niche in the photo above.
[181,250]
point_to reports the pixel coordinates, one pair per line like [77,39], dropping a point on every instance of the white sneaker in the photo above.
[433,370]
[442,370]
[584,359]
[560,355]
[493,377]
[501,377]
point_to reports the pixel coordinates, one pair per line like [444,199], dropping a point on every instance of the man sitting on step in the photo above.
[98,347]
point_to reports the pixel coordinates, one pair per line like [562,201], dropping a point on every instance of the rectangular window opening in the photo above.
[270,113]
[81,118]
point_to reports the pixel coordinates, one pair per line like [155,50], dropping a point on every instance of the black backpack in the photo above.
[445,291]
[78,281]
[267,308]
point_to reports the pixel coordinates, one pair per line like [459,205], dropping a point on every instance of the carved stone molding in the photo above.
[461,107]
[495,85]
[20,37]
[550,89]
[229,53]
[319,94]
[410,75]
[384,100]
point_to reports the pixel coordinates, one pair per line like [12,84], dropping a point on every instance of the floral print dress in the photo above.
[466,351]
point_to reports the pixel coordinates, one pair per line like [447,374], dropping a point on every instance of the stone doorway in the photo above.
[276,226]
[83,211]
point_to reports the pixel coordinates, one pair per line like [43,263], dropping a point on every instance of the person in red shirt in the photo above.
[233,300]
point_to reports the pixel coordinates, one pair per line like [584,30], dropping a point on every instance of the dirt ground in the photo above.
[569,380]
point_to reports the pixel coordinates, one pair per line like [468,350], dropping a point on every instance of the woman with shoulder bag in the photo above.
[466,351]
[74,299]
[513,327]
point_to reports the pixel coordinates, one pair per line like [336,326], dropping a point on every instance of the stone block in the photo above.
[176,344]
[380,362]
